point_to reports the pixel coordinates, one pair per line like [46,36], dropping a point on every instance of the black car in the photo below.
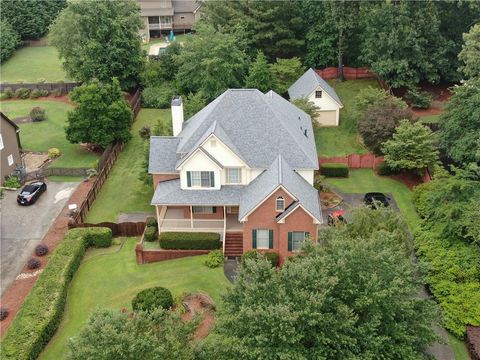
[31,192]
[375,199]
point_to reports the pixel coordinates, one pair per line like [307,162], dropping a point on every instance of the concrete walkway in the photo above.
[134,217]
[230,269]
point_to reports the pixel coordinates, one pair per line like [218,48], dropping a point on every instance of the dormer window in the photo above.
[318,94]
[200,179]
[233,175]
[280,204]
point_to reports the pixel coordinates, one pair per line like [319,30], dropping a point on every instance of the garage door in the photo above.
[327,118]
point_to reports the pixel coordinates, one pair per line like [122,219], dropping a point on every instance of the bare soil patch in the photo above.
[202,304]
[409,179]
[35,160]
[329,200]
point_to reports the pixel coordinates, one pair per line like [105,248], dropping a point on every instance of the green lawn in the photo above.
[41,136]
[112,279]
[344,139]
[123,191]
[181,38]
[429,119]
[364,180]
[29,64]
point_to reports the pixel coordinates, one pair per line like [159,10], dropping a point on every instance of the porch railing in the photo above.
[191,225]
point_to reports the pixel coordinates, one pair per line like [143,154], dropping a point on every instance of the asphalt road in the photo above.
[23,227]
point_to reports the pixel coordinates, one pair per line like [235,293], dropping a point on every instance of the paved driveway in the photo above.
[23,227]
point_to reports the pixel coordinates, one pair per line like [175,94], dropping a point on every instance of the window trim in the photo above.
[227,179]
[213,210]
[291,240]
[282,209]
[1,142]
[196,179]
[268,239]
[10,160]
[318,92]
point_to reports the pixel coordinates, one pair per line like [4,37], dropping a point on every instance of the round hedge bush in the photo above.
[33,263]
[152,298]
[41,250]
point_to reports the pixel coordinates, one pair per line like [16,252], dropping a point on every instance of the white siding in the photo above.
[307,175]
[325,103]
[200,162]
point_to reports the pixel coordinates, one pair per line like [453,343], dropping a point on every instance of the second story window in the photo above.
[234,175]
[200,179]
[318,94]
[280,204]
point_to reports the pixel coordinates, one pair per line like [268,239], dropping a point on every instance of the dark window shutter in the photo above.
[189,179]
[270,239]
[214,209]
[290,245]
[307,235]
[254,239]
[212,179]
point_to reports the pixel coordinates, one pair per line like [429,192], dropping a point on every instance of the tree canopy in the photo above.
[260,74]
[101,117]
[470,54]
[9,40]
[355,296]
[285,73]
[100,40]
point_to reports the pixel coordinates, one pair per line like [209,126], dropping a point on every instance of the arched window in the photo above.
[280,204]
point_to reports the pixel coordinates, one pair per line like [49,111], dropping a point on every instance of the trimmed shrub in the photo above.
[3,313]
[272,257]
[8,93]
[35,93]
[152,299]
[151,221]
[53,153]
[334,170]
[150,234]
[12,182]
[57,92]
[189,241]
[22,93]
[101,238]
[214,259]
[158,97]
[384,170]
[41,250]
[38,114]
[33,263]
[42,310]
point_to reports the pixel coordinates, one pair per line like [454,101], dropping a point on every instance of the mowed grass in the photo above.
[344,139]
[30,64]
[111,280]
[180,38]
[41,136]
[429,119]
[123,191]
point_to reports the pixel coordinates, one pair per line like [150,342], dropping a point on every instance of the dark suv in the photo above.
[31,192]
[375,199]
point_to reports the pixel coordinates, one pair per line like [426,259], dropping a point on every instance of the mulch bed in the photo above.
[473,341]
[329,200]
[199,303]
[409,179]
[22,120]
[13,298]
[64,98]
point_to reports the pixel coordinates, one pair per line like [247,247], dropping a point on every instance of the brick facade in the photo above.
[157,178]
[144,256]
[264,217]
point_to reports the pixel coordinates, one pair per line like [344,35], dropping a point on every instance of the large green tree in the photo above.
[402,43]
[260,74]
[285,73]
[100,39]
[355,296]
[411,148]
[31,19]
[111,335]
[9,40]
[211,61]
[470,54]
[459,133]
[101,116]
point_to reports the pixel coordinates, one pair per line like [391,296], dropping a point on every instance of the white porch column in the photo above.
[224,229]
[191,216]
[158,218]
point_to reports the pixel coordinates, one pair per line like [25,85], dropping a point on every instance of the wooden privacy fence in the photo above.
[118,229]
[135,103]
[351,73]
[355,161]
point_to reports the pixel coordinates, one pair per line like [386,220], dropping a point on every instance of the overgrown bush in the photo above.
[145,132]
[57,92]
[41,312]
[53,153]
[38,114]
[334,170]
[151,221]
[3,313]
[272,257]
[189,241]
[214,259]
[150,234]
[250,255]
[158,97]
[8,93]
[12,182]
[384,170]
[33,263]
[22,93]
[419,99]
[152,298]
[41,250]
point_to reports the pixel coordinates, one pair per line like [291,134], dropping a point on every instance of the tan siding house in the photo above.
[9,147]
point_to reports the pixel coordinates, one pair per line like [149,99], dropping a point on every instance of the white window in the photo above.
[203,179]
[203,209]
[10,160]
[1,142]
[318,94]
[234,175]
[280,204]
[298,237]
[262,239]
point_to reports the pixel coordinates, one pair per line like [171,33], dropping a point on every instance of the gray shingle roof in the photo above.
[307,83]
[185,6]
[163,154]
[170,193]
[257,126]
[280,173]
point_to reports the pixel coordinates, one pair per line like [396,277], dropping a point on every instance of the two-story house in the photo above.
[162,16]
[243,166]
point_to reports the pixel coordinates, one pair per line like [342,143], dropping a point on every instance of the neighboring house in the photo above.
[311,86]
[162,16]
[243,166]
[9,147]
